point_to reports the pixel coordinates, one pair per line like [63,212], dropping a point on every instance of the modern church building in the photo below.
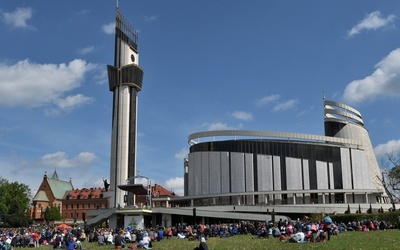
[288,172]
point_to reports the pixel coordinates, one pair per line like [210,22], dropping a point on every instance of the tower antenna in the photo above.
[117,4]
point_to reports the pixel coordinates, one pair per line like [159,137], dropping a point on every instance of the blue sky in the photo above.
[251,65]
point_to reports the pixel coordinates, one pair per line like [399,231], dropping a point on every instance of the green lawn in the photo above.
[348,240]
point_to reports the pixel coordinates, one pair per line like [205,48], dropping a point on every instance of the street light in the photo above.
[149,193]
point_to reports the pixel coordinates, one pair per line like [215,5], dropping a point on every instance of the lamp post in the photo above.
[149,193]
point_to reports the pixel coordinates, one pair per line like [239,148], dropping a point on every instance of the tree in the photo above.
[348,209]
[391,177]
[14,203]
[369,211]
[52,213]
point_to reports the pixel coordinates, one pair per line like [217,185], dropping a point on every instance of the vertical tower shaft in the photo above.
[125,81]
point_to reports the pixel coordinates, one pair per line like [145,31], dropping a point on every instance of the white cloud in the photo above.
[176,185]
[102,76]
[285,105]
[71,102]
[150,18]
[217,126]
[182,154]
[383,82]
[266,100]
[109,28]
[372,21]
[33,85]
[306,111]
[382,150]
[61,160]
[18,18]
[86,50]
[241,115]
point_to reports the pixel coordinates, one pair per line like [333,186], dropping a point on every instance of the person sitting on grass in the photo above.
[169,233]
[180,235]
[145,242]
[100,239]
[321,236]
[276,233]
[71,243]
[203,244]
[119,242]
[110,239]
[263,233]
[128,236]
[224,233]
[160,234]
[297,237]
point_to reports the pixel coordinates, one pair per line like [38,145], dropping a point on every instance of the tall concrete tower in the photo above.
[125,81]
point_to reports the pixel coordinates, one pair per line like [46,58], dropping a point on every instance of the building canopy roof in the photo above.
[137,189]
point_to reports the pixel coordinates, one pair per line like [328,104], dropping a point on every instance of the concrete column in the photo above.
[154,220]
[345,198]
[294,199]
[366,198]
[323,198]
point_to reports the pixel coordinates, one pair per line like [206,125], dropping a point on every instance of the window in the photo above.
[284,199]
[314,198]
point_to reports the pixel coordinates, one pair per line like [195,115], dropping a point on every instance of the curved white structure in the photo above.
[240,167]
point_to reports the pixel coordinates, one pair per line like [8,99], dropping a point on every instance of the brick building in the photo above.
[78,202]
[50,193]
[157,191]
[72,203]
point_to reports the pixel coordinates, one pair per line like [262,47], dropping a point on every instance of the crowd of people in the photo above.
[296,231]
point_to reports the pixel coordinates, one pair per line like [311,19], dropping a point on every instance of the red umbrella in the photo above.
[63,226]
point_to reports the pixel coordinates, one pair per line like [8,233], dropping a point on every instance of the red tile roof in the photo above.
[159,191]
[85,193]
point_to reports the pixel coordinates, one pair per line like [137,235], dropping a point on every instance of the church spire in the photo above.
[55,175]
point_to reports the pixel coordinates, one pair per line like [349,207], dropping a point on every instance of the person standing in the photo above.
[35,237]
[328,225]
